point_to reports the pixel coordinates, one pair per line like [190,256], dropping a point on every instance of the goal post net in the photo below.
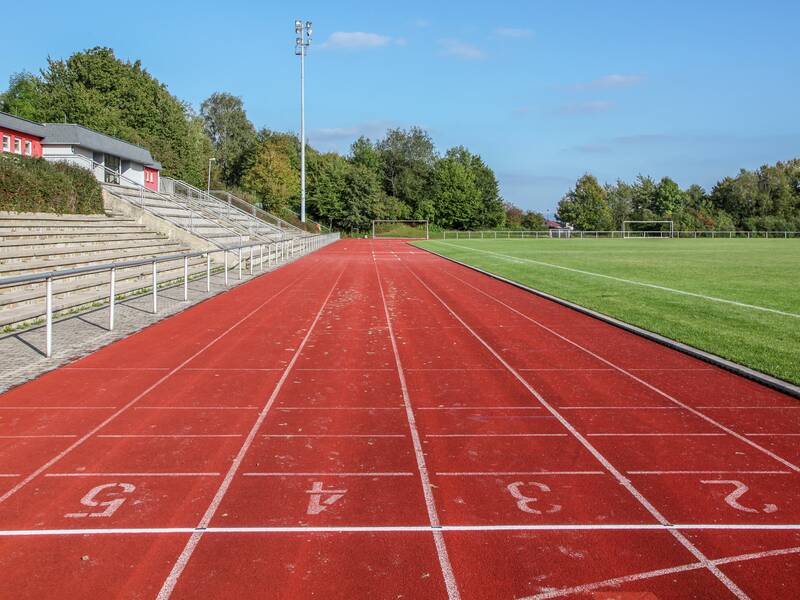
[648,229]
[400,229]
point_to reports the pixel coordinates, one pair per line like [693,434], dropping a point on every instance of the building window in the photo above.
[28,148]
[113,165]
[17,146]
[6,143]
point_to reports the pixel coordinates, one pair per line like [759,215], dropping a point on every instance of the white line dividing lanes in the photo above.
[433,515]
[624,481]
[180,564]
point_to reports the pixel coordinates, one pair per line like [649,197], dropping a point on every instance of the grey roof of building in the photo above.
[22,125]
[78,135]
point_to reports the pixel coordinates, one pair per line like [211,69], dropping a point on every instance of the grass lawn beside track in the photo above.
[763,273]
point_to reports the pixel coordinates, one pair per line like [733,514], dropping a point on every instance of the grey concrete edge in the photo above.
[746,372]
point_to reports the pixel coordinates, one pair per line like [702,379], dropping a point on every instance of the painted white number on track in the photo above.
[524,502]
[740,489]
[316,504]
[112,491]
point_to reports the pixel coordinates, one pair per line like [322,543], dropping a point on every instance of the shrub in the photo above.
[35,185]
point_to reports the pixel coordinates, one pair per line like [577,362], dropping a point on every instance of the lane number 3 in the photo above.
[525,503]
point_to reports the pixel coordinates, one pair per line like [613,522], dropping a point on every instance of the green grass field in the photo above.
[764,274]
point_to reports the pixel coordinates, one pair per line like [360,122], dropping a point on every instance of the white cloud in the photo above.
[586,108]
[459,49]
[609,81]
[513,32]
[333,137]
[356,39]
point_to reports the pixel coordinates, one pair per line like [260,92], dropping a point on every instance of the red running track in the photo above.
[374,421]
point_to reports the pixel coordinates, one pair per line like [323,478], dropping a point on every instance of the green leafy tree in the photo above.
[668,198]
[407,159]
[586,206]
[23,97]
[275,174]
[456,197]
[533,221]
[232,134]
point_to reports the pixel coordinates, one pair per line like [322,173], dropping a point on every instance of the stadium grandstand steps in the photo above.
[202,215]
[36,243]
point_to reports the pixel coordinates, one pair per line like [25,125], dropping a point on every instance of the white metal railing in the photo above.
[276,252]
[574,234]
[256,212]
[196,212]
[225,211]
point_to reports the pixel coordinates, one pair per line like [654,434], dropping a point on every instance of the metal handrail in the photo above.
[191,206]
[191,191]
[280,250]
[257,212]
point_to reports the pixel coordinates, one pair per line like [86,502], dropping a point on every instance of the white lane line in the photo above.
[624,481]
[180,564]
[84,474]
[772,434]
[333,435]
[514,473]
[750,407]
[433,516]
[479,408]
[618,407]
[170,435]
[496,435]
[634,282]
[9,475]
[136,399]
[649,386]
[71,368]
[722,472]
[656,434]
[245,369]
[195,408]
[329,474]
[615,582]
[57,407]
[339,408]
[418,528]
[35,437]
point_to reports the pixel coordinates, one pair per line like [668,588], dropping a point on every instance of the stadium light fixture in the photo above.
[301,44]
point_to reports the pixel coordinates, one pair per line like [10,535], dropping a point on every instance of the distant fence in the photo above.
[571,234]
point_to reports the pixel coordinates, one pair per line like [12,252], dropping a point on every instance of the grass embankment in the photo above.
[760,273]
[35,185]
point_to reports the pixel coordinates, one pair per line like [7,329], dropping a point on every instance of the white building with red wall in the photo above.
[111,160]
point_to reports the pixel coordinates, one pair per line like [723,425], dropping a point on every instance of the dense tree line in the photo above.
[765,199]
[401,176]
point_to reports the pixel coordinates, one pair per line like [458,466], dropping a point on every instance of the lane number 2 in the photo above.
[740,489]
[524,502]
[114,494]
[321,499]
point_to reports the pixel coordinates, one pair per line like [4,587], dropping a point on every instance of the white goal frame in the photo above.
[626,233]
[414,221]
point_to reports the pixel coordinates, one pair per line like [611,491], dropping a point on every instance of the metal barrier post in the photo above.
[49,317]
[185,278]
[240,262]
[261,257]
[251,260]
[208,272]
[111,296]
[155,287]
[226,267]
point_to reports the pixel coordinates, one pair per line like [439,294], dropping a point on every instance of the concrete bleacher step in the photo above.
[22,254]
[50,240]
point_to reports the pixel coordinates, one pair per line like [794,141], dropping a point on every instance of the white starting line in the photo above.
[395,529]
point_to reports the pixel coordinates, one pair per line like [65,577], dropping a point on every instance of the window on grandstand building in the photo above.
[17,146]
[6,143]
[28,148]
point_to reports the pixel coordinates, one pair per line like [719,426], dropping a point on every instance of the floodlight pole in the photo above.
[302,42]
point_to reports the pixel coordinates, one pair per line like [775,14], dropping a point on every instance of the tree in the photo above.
[407,159]
[586,206]
[668,198]
[456,197]
[95,89]
[533,221]
[234,138]
[274,174]
[620,202]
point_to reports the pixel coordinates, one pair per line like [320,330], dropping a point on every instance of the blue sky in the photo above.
[544,91]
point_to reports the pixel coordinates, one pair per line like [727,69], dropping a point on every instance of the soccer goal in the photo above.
[400,229]
[648,229]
